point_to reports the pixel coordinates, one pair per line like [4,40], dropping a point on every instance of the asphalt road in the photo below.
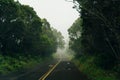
[33,73]
[64,70]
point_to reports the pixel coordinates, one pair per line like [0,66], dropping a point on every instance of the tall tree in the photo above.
[23,32]
[100,29]
[59,38]
[75,36]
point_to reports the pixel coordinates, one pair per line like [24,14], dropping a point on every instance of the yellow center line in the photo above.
[48,73]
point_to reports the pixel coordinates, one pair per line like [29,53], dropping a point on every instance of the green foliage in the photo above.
[99,34]
[75,36]
[99,31]
[23,32]
[60,39]
[75,29]
[15,24]
[25,39]
[105,62]
[87,66]
[49,42]
[10,64]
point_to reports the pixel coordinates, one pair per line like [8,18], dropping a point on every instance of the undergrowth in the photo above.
[10,64]
[87,66]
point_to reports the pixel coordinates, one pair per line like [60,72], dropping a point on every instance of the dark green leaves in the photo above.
[100,31]
[23,32]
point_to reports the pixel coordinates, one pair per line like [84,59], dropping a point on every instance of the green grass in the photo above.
[10,64]
[85,64]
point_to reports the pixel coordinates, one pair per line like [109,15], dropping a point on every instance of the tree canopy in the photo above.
[23,32]
[99,31]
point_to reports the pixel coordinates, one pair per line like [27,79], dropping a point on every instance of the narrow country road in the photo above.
[52,70]
[33,73]
[66,70]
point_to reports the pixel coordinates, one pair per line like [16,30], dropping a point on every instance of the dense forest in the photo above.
[94,37]
[96,33]
[23,33]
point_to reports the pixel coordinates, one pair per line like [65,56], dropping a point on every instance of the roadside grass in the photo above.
[86,65]
[11,64]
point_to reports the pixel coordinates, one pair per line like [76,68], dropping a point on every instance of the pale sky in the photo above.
[59,13]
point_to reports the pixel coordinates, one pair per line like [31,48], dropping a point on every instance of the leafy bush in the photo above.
[9,64]
[105,61]
[87,66]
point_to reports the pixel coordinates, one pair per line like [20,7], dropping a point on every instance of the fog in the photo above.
[64,54]
[59,13]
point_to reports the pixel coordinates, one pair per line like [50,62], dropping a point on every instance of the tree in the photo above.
[49,42]
[75,36]
[10,27]
[59,38]
[23,32]
[100,32]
